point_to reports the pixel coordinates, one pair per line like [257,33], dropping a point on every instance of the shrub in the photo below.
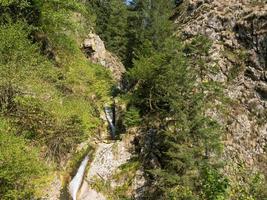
[132,117]
[39,125]
[214,184]
[20,167]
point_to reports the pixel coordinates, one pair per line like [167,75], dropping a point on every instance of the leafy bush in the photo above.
[18,56]
[49,91]
[214,184]
[50,106]
[247,184]
[13,10]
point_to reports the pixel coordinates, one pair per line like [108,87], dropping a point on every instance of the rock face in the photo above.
[108,158]
[95,50]
[238,30]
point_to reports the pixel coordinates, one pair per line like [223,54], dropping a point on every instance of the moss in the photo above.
[127,170]
[238,59]
[101,186]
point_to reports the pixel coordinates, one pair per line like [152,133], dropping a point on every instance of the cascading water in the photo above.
[76,182]
[109,115]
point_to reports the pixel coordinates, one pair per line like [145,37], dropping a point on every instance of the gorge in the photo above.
[140,99]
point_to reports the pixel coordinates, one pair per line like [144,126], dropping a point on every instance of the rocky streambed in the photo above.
[108,158]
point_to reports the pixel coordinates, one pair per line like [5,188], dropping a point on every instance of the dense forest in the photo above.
[51,96]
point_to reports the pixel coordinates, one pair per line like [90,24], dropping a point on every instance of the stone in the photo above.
[95,50]
[261,89]
[239,27]
[108,158]
[252,73]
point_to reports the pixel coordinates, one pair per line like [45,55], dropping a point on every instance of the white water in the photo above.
[109,116]
[76,182]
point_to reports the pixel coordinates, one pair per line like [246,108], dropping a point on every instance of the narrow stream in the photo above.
[76,182]
[110,116]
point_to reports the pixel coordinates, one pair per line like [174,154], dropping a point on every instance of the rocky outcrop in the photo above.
[95,50]
[238,30]
[108,158]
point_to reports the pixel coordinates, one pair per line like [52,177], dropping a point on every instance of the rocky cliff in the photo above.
[238,30]
[95,50]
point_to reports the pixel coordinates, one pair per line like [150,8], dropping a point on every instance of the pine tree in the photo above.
[148,27]
[111,24]
[168,86]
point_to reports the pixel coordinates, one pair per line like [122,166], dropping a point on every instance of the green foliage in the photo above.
[247,184]
[168,87]
[51,95]
[23,67]
[111,24]
[55,18]
[13,10]
[36,124]
[214,184]
[21,169]
[18,55]
[133,31]
[238,58]
[49,92]
[156,73]
[148,27]
[173,87]
[132,117]
[25,72]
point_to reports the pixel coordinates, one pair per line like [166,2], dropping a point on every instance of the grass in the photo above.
[70,86]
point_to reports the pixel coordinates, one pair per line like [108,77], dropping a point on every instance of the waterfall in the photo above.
[109,115]
[76,182]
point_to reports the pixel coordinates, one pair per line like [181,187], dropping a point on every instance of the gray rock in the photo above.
[95,50]
[239,27]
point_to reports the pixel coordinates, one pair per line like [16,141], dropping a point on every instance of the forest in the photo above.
[51,96]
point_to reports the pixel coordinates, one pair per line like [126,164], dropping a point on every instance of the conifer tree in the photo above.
[111,24]
[168,87]
[148,27]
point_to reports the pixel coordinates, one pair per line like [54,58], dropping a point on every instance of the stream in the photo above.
[110,118]
[76,182]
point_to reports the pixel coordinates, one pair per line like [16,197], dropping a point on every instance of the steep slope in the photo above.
[94,48]
[238,31]
[51,95]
